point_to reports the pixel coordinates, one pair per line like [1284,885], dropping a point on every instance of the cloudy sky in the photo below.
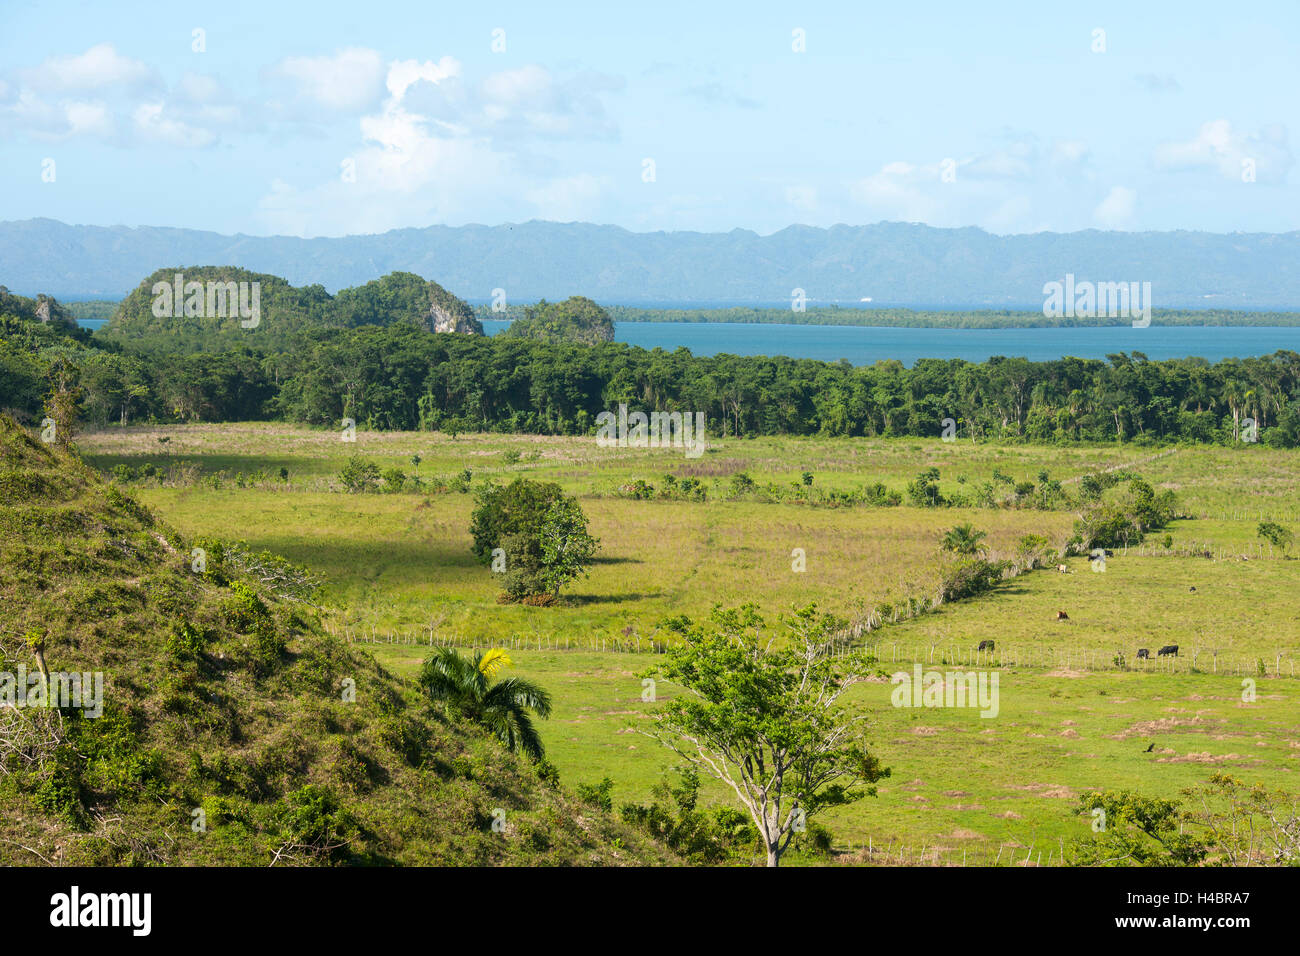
[329,118]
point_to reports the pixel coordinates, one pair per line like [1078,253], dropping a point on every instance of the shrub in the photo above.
[969,576]
[359,475]
[394,480]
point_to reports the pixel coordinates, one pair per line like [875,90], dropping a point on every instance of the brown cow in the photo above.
[1062,616]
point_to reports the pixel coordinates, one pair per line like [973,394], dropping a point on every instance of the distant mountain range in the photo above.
[892,264]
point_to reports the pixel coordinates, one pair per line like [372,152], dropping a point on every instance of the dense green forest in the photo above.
[402,376]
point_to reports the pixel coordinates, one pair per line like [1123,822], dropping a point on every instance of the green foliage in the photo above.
[1138,831]
[360,475]
[963,539]
[765,719]
[967,577]
[923,490]
[1123,520]
[1276,535]
[576,320]
[542,532]
[503,707]
[597,794]
[711,836]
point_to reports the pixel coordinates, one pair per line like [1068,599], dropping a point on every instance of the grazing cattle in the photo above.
[1192,588]
[1062,616]
[1063,568]
[1149,749]
[1144,653]
[985,646]
[1110,553]
[1169,650]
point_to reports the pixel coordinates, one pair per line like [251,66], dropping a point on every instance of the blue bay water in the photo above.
[865,345]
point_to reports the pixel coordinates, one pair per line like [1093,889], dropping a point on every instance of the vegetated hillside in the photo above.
[577,319]
[893,263]
[283,309]
[222,694]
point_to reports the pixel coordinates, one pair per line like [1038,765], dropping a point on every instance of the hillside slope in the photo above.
[221,694]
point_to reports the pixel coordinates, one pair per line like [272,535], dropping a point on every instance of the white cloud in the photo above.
[569,199]
[898,191]
[1217,146]
[1069,152]
[440,149]
[404,74]
[1116,210]
[99,67]
[155,123]
[350,81]
[1014,162]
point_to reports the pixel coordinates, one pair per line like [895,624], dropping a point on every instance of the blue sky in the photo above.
[324,118]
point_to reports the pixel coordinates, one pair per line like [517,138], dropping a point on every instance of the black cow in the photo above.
[1169,650]
[984,646]
[1143,652]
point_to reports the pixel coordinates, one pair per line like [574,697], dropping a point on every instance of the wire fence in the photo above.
[1189,660]
[897,853]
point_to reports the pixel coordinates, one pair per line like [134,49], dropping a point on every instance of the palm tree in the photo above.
[501,706]
[963,539]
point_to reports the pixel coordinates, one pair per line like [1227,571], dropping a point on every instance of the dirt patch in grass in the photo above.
[1209,758]
[1165,725]
[1054,790]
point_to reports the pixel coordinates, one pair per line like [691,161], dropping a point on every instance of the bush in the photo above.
[970,576]
[597,794]
[394,480]
[923,491]
[359,475]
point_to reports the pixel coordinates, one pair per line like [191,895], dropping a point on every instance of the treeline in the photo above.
[401,376]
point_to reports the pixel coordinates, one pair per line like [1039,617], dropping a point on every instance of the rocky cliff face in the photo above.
[440,320]
[449,314]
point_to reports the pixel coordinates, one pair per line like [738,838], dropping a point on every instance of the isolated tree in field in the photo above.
[504,707]
[1276,535]
[768,722]
[542,531]
[963,539]
[567,549]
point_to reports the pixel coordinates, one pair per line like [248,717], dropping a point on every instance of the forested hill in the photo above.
[212,307]
[895,264]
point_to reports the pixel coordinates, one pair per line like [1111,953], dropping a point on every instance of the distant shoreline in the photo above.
[98,310]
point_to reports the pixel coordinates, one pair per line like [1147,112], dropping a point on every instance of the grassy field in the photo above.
[958,781]
[1072,717]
